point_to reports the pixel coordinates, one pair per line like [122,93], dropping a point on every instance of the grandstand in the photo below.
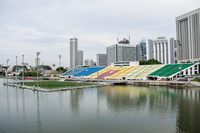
[174,71]
[72,72]
[109,72]
[95,75]
[106,72]
[126,70]
[137,72]
[81,72]
[141,72]
[88,71]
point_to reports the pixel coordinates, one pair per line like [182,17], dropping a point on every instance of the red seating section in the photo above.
[108,73]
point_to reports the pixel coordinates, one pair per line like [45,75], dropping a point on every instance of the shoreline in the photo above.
[52,90]
[142,82]
[103,82]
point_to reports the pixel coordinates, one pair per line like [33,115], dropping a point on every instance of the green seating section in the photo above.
[141,72]
[169,70]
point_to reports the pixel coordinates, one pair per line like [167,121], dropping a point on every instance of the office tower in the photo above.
[101,59]
[173,50]
[121,52]
[188,36]
[73,52]
[90,62]
[164,50]
[80,58]
[144,50]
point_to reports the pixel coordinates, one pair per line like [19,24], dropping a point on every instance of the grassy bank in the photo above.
[57,84]
[196,79]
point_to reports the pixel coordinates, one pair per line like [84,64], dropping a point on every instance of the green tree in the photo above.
[150,62]
[61,69]
[30,74]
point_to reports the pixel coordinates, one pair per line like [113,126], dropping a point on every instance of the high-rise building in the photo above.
[173,50]
[73,52]
[188,36]
[90,62]
[80,58]
[164,50]
[144,50]
[101,59]
[76,56]
[121,52]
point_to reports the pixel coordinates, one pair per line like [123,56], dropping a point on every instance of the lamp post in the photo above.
[7,72]
[16,69]
[38,53]
[60,56]
[23,69]
[180,68]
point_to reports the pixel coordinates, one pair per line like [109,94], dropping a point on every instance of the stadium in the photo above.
[160,72]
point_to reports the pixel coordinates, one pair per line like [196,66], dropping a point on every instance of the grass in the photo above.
[196,79]
[56,84]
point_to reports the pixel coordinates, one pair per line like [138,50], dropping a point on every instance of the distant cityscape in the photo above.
[184,49]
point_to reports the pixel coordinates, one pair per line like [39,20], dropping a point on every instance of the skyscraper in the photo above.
[80,58]
[101,59]
[188,36]
[90,62]
[144,50]
[121,52]
[73,52]
[164,50]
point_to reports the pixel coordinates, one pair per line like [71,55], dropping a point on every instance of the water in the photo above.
[119,109]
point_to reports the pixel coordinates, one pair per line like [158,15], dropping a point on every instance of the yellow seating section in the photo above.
[95,75]
[129,72]
[126,70]
[142,71]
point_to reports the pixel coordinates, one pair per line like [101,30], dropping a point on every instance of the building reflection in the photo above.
[75,98]
[158,100]
[8,99]
[188,116]
[38,114]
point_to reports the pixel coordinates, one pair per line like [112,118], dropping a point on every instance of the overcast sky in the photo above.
[27,26]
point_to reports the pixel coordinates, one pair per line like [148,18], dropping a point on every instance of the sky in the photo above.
[28,26]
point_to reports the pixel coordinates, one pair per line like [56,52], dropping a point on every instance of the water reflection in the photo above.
[188,115]
[75,98]
[123,108]
[159,101]
[39,123]
[120,98]
[8,100]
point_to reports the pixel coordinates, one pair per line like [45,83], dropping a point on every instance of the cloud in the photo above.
[47,25]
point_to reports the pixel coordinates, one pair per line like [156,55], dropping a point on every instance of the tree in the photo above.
[30,74]
[61,69]
[150,62]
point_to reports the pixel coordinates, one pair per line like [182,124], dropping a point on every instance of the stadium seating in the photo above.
[169,70]
[72,72]
[109,72]
[95,75]
[126,70]
[150,69]
[142,71]
[88,71]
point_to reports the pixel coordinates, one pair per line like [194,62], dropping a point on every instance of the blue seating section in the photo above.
[89,71]
[73,71]
[84,71]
